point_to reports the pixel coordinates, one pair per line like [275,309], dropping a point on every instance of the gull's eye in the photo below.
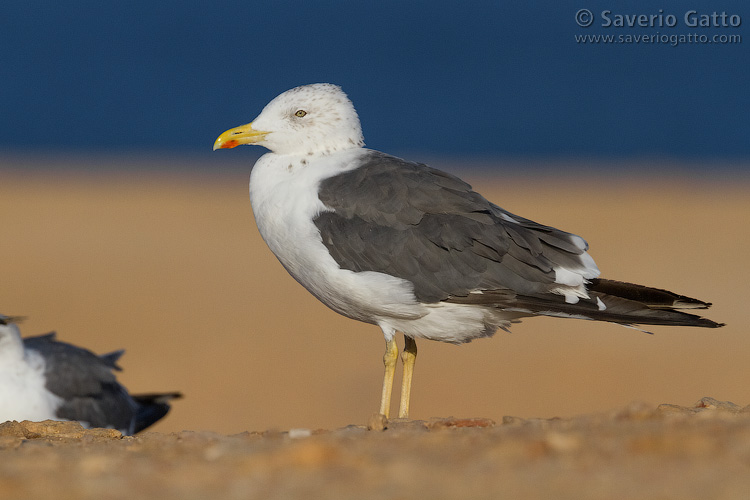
[300,113]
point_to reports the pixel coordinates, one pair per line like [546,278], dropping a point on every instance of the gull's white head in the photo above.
[317,118]
[9,334]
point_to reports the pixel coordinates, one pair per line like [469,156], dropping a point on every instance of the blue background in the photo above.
[482,79]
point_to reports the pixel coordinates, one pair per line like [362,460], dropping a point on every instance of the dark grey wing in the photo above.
[112,408]
[421,224]
[426,226]
[40,338]
[85,383]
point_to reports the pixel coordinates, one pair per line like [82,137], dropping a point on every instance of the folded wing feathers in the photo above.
[426,226]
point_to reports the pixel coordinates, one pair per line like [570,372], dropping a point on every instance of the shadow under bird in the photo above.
[44,379]
[413,249]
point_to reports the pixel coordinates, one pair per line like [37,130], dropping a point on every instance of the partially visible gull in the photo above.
[412,249]
[44,379]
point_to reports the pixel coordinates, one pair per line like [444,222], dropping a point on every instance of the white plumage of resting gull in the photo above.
[413,249]
[44,379]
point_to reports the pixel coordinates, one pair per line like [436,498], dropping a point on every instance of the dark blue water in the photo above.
[483,79]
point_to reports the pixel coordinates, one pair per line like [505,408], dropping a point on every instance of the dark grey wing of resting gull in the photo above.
[426,226]
[89,389]
[408,220]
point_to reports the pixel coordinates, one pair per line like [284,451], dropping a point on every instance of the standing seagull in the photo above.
[412,249]
[43,379]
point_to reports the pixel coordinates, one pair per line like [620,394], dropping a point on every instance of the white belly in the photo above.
[23,395]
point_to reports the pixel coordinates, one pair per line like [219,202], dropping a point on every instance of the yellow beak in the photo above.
[7,320]
[244,134]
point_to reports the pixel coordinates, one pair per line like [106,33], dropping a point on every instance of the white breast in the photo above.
[23,395]
[284,196]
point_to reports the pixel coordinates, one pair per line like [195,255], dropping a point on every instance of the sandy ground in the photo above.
[636,452]
[170,266]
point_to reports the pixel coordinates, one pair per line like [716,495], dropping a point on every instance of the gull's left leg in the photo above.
[408,357]
[389,361]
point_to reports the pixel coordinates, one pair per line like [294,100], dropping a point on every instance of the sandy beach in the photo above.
[170,266]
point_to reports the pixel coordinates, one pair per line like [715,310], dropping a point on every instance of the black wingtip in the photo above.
[706,323]
[152,408]
[656,298]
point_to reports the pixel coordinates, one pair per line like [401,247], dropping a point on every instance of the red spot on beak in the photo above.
[229,144]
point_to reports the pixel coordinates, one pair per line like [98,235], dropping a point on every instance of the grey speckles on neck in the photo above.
[296,163]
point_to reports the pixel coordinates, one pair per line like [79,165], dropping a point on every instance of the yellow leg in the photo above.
[408,357]
[389,360]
